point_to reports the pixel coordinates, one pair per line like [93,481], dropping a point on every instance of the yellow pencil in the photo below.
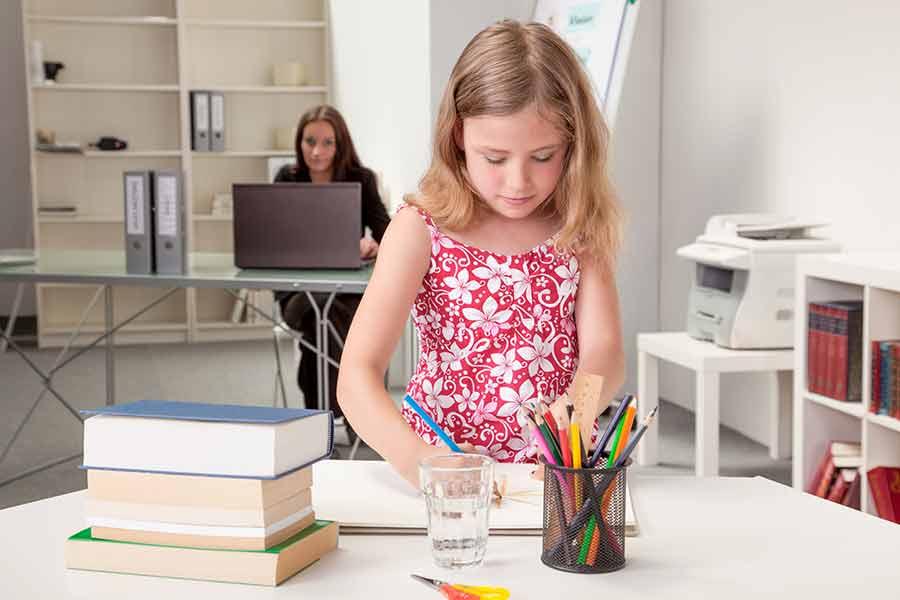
[575,443]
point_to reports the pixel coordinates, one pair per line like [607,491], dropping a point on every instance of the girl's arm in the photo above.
[403,260]
[599,327]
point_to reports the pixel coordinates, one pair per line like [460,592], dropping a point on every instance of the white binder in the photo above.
[200,121]
[217,121]
[139,256]
[171,249]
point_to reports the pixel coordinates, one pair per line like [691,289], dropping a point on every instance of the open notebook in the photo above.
[368,496]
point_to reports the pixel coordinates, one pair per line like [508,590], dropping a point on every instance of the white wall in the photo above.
[453,24]
[634,168]
[775,106]
[15,203]
[380,78]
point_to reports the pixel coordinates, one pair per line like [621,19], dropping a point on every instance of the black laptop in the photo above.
[297,225]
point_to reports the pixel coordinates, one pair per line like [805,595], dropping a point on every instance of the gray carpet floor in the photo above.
[237,373]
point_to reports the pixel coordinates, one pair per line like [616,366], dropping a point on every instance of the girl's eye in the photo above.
[328,143]
[310,141]
[494,161]
[543,158]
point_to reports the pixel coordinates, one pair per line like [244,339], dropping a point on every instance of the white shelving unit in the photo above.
[873,278]
[130,66]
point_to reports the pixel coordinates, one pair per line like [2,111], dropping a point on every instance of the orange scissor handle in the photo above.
[453,593]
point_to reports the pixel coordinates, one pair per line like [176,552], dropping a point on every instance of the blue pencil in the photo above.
[434,426]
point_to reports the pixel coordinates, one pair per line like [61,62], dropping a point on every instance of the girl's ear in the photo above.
[458,136]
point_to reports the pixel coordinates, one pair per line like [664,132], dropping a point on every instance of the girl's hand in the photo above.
[368,248]
[411,472]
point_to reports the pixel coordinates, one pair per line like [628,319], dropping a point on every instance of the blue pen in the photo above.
[430,422]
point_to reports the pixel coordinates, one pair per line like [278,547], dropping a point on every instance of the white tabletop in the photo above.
[680,348]
[712,538]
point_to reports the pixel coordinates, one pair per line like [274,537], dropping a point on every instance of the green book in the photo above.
[260,567]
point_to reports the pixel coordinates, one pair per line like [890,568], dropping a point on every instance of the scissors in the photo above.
[455,591]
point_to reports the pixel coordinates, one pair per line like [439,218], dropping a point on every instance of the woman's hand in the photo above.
[368,248]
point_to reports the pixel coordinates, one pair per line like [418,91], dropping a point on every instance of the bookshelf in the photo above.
[873,278]
[130,66]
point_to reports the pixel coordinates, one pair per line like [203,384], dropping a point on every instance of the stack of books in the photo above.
[837,477]
[202,491]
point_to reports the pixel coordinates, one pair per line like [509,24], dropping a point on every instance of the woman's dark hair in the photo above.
[345,157]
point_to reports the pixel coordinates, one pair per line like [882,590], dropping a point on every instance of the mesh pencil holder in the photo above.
[584,518]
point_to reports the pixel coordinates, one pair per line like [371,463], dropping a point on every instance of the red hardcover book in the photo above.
[894,409]
[827,353]
[875,390]
[821,348]
[813,485]
[839,378]
[812,348]
[827,478]
[841,485]
[852,497]
[884,483]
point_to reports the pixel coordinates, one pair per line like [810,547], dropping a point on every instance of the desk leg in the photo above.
[110,347]
[13,315]
[648,399]
[707,424]
[781,416]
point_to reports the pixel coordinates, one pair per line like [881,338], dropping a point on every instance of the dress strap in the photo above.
[422,213]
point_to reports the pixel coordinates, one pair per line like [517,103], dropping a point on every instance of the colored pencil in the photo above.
[610,428]
[626,452]
[432,425]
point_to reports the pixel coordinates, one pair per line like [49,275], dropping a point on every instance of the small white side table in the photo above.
[707,361]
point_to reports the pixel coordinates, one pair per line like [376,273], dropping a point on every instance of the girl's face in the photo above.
[514,161]
[319,147]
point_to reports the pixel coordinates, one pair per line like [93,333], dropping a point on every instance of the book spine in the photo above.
[830,352]
[839,489]
[820,349]
[841,353]
[827,477]
[852,497]
[887,390]
[813,484]
[855,356]
[878,483]
[875,392]
[882,375]
[895,379]
[812,342]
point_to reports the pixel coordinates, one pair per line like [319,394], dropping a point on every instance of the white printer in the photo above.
[742,295]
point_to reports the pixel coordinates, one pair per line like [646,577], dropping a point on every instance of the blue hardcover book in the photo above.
[188,438]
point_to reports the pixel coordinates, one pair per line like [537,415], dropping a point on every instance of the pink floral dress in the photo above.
[494,331]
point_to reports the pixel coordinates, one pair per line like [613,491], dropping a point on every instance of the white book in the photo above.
[205,439]
[393,506]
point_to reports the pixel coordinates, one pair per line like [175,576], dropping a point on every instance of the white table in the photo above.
[708,361]
[711,538]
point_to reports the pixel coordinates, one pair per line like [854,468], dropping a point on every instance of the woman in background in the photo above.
[325,154]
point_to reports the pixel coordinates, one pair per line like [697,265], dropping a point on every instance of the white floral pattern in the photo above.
[494,331]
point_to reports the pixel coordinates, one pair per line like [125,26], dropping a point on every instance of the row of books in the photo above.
[834,350]
[199,491]
[837,476]
[885,378]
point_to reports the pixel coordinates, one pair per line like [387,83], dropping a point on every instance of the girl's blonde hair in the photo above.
[502,70]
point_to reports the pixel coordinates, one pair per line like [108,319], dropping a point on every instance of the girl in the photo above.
[506,258]
[325,153]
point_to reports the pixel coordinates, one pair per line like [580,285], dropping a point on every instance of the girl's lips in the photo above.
[521,200]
